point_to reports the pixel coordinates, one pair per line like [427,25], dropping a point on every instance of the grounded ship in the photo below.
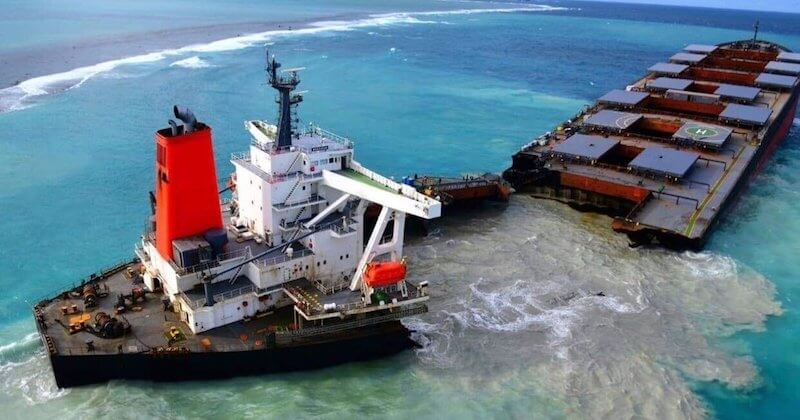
[453,193]
[668,155]
[464,190]
[275,278]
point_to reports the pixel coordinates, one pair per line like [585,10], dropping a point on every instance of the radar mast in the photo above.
[287,102]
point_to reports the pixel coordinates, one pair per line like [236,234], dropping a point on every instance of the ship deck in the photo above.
[151,323]
[665,113]
[687,207]
[357,176]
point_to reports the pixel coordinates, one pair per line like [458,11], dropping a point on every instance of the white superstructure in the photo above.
[312,196]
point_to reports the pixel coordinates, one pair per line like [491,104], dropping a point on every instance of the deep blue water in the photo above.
[451,94]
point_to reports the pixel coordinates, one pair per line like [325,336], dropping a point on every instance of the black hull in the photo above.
[356,346]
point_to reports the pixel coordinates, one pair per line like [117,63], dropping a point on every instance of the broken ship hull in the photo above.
[670,208]
[242,349]
[366,344]
[677,241]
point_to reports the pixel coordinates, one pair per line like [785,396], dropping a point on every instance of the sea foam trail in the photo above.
[540,299]
[19,96]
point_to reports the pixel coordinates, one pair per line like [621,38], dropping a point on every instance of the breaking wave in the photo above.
[16,97]
[24,371]
[25,341]
[30,380]
[20,96]
[194,62]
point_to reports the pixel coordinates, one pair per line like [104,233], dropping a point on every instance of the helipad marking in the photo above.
[699,132]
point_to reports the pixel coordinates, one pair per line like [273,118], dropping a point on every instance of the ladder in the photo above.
[294,187]
[291,165]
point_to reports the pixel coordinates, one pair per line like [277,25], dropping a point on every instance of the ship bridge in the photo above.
[294,224]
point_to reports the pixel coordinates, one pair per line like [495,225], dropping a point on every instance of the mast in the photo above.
[286,100]
[755,33]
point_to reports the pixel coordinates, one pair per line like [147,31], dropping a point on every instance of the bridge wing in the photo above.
[361,182]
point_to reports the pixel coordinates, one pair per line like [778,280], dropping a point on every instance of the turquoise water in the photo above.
[513,329]
[39,23]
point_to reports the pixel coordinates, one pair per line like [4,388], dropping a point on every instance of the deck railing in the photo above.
[344,141]
[239,253]
[219,297]
[401,189]
[268,262]
[100,274]
[240,156]
[311,331]
[341,230]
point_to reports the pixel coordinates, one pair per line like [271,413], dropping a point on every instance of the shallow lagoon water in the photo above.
[515,327]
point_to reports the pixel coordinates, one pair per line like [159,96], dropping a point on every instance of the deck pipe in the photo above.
[207,290]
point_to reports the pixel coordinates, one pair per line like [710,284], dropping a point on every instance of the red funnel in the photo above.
[187,200]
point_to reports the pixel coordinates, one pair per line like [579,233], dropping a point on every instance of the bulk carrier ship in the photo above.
[276,278]
[667,155]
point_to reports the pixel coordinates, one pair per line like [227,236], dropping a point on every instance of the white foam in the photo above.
[515,308]
[705,265]
[531,8]
[17,97]
[23,342]
[194,62]
[433,351]
[797,122]
[613,303]
[30,380]
[14,97]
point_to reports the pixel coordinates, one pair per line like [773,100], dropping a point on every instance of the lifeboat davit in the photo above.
[382,274]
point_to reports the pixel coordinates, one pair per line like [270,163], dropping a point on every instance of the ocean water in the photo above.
[515,328]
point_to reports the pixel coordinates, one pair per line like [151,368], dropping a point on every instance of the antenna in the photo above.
[284,83]
[755,34]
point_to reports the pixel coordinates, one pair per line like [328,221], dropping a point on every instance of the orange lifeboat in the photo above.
[382,274]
